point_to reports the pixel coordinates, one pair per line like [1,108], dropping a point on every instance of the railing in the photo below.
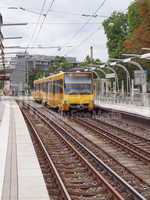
[138,99]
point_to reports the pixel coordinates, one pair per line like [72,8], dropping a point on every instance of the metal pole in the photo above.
[116,77]
[128,76]
[144,84]
[27,78]
[136,64]
[91,52]
[99,69]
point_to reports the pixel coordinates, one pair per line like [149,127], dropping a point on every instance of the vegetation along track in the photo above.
[116,181]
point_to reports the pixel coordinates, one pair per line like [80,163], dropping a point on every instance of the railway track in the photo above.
[134,138]
[129,126]
[76,177]
[132,175]
[126,144]
[126,191]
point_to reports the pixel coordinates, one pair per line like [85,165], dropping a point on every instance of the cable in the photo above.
[61,12]
[35,29]
[83,41]
[87,22]
[45,15]
[71,23]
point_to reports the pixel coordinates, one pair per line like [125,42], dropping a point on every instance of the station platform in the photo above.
[20,174]
[138,111]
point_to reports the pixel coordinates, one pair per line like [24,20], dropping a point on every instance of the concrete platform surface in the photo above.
[20,174]
[131,109]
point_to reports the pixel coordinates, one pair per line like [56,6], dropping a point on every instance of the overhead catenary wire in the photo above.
[83,41]
[50,10]
[86,23]
[35,29]
[69,22]
[55,11]
[45,15]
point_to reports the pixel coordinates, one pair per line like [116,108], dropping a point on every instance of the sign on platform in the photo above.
[112,75]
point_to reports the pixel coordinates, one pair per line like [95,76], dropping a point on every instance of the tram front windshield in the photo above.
[78,83]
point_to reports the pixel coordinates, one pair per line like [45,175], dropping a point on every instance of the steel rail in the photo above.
[56,115]
[115,194]
[123,130]
[60,183]
[128,188]
[116,140]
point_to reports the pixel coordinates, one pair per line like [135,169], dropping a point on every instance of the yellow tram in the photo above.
[66,91]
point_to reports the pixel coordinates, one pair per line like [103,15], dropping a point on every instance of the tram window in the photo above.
[57,87]
[60,86]
[41,87]
[35,87]
[46,87]
[54,82]
[50,86]
[38,87]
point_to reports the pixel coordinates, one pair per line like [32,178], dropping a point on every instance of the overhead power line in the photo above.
[36,47]
[45,15]
[87,22]
[35,29]
[83,41]
[57,12]
[66,22]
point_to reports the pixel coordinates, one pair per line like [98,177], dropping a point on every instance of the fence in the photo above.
[137,99]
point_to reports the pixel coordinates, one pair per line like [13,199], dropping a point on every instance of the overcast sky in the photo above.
[63,25]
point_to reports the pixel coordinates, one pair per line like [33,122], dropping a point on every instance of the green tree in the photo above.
[87,61]
[139,26]
[134,18]
[116,29]
[60,64]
